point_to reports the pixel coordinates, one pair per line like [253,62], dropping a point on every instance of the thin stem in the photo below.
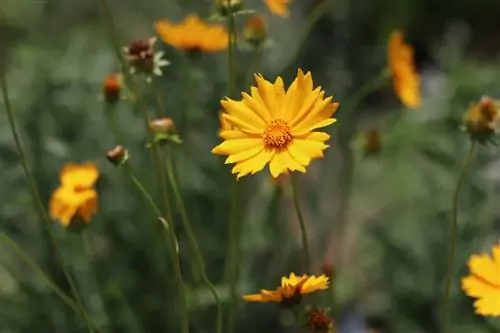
[193,243]
[370,86]
[454,236]
[142,189]
[303,231]
[38,201]
[231,68]
[160,106]
[109,110]
[66,299]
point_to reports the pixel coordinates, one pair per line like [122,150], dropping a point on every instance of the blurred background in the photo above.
[381,221]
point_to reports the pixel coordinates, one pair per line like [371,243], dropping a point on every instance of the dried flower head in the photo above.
[278,7]
[112,88]
[483,283]
[255,32]
[226,7]
[276,126]
[291,290]
[482,120]
[318,320]
[406,81]
[75,199]
[193,34]
[142,57]
[117,155]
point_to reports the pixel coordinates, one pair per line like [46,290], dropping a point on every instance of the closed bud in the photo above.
[318,320]
[482,120]
[227,7]
[117,155]
[162,126]
[255,32]
[112,88]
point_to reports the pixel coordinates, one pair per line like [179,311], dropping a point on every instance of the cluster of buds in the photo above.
[482,120]
[142,57]
[164,131]
[229,7]
[255,31]
[318,320]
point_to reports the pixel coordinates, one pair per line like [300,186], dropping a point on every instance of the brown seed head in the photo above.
[318,320]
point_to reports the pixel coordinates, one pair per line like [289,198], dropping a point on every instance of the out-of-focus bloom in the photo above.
[483,283]
[75,198]
[278,7]
[255,32]
[142,57]
[112,88]
[117,155]
[291,290]
[318,320]
[229,6]
[275,126]
[482,120]
[406,81]
[193,34]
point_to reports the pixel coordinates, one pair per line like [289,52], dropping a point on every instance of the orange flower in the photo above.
[278,7]
[193,34]
[112,87]
[255,31]
[406,80]
[482,120]
[484,282]
[75,197]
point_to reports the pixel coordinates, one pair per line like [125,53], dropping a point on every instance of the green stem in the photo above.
[231,68]
[192,239]
[109,110]
[66,299]
[38,201]
[373,85]
[142,189]
[303,230]
[454,236]
[160,111]
[253,66]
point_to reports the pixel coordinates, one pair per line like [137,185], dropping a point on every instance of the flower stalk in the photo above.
[303,230]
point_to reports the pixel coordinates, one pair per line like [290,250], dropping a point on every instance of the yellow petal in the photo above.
[83,175]
[244,155]
[233,134]
[306,128]
[267,93]
[257,105]
[253,298]
[253,164]
[244,126]
[313,149]
[241,111]
[315,283]
[229,147]
[485,267]
[317,136]
[300,155]
[278,164]
[489,305]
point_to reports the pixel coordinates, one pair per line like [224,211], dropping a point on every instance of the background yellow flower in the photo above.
[276,127]
[278,7]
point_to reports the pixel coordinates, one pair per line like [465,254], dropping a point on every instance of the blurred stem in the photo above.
[66,299]
[109,110]
[253,65]
[303,230]
[38,201]
[193,243]
[160,112]
[174,245]
[233,244]
[454,236]
[369,87]
[315,15]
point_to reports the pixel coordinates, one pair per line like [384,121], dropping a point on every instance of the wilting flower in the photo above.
[291,290]
[318,320]
[75,197]
[142,57]
[192,34]
[112,88]
[276,127]
[482,120]
[483,283]
[406,81]
[255,32]
[278,7]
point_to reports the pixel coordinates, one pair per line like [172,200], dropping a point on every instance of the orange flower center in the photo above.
[277,135]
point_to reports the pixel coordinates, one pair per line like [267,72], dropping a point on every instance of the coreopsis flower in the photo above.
[483,283]
[193,34]
[255,32]
[112,88]
[229,6]
[482,120]
[75,198]
[275,126]
[318,320]
[406,81]
[291,290]
[278,7]
[142,57]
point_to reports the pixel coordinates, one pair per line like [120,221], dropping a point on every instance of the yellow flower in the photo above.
[292,288]
[276,127]
[193,34]
[484,282]
[75,198]
[406,81]
[278,7]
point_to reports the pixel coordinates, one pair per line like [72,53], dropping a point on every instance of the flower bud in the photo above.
[318,320]
[255,32]
[482,119]
[227,7]
[112,88]
[117,155]
[162,126]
